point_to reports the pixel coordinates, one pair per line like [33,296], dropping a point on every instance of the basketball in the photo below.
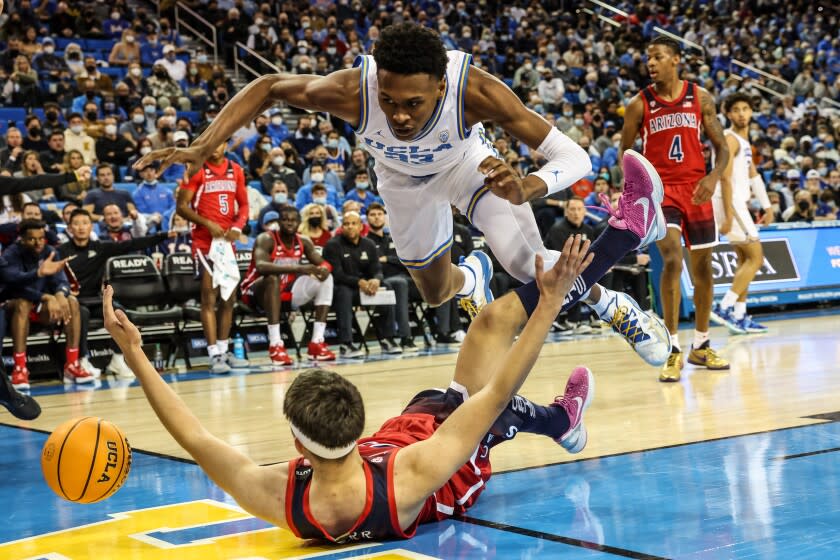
[86,460]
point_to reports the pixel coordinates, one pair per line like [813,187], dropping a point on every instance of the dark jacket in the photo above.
[352,263]
[19,275]
[560,231]
[385,248]
[88,264]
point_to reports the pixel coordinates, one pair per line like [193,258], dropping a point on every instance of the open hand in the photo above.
[83,174]
[192,157]
[555,284]
[50,266]
[502,180]
[119,327]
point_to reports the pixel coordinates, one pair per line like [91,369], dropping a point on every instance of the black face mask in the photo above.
[803,205]
[160,73]
[262,129]
[314,222]
[52,116]
[35,131]
[165,130]
[90,94]
[91,115]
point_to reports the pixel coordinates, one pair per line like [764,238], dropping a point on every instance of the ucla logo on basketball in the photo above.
[444,136]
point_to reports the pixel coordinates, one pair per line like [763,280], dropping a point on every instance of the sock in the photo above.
[729,299]
[213,350]
[522,415]
[223,345]
[601,306]
[675,342]
[529,295]
[700,338]
[72,355]
[20,360]
[609,248]
[274,337]
[318,329]
[740,309]
[469,280]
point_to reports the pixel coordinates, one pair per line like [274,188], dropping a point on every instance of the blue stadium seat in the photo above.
[171,186]
[577,72]
[256,185]
[62,42]
[193,116]
[116,72]
[122,170]
[97,45]
[12,114]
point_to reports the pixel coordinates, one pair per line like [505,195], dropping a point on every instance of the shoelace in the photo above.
[673,360]
[469,306]
[614,212]
[626,323]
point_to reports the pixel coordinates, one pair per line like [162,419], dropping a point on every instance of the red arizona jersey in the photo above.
[671,135]
[220,196]
[281,255]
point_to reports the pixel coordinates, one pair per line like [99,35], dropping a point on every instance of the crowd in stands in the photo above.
[102,84]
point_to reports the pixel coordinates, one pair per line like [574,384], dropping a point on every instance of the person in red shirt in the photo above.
[670,114]
[285,266]
[215,201]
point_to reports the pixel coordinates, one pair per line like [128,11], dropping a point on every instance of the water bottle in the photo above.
[239,347]
[158,361]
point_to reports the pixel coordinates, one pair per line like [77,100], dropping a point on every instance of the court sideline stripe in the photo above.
[589,545]
[806,454]
[133,449]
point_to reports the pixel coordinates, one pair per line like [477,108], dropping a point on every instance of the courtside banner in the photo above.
[801,264]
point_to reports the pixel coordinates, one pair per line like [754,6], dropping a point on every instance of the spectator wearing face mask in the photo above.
[125,51]
[166,90]
[304,138]
[277,171]
[280,199]
[47,63]
[89,94]
[320,156]
[314,224]
[115,25]
[153,201]
[361,193]
[111,147]
[75,138]
[102,82]
[802,209]
[316,177]
[277,129]
[176,68]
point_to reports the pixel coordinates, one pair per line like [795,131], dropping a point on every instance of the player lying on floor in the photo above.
[427,464]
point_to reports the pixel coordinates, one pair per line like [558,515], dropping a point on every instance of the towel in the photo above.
[225,270]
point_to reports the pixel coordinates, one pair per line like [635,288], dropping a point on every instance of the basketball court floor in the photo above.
[738,464]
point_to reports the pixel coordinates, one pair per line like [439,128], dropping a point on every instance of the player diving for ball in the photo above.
[418,109]
[427,464]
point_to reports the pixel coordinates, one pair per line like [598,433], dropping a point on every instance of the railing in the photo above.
[211,41]
[249,61]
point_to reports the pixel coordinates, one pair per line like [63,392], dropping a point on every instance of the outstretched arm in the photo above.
[425,466]
[633,115]
[489,99]
[259,490]
[336,93]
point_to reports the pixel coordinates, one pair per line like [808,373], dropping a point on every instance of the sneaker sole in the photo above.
[77,381]
[578,438]
[658,195]
[703,364]
[320,358]
[21,386]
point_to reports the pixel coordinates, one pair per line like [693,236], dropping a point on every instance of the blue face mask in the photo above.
[319,199]
[362,186]
[280,198]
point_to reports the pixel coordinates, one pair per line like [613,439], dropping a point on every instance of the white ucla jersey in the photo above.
[443,140]
[741,163]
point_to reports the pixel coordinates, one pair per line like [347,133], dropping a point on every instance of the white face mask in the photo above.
[129,39]
[111,129]
[278,161]
[136,72]
[49,49]
[280,198]
[115,15]
[77,129]
[145,150]
[138,119]
[317,177]
[277,121]
[272,226]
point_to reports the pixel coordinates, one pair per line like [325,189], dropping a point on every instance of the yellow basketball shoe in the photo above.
[481,266]
[706,357]
[671,371]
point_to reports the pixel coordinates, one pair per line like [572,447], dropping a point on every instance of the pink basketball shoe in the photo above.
[579,392]
[640,206]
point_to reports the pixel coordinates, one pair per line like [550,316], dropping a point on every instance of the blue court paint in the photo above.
[769,495]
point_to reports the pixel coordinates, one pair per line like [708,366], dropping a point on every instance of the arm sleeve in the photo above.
[14,185]
[760,191]
[567,162]
[241,200]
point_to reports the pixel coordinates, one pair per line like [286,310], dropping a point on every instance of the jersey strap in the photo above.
[363,63]
[463,75]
